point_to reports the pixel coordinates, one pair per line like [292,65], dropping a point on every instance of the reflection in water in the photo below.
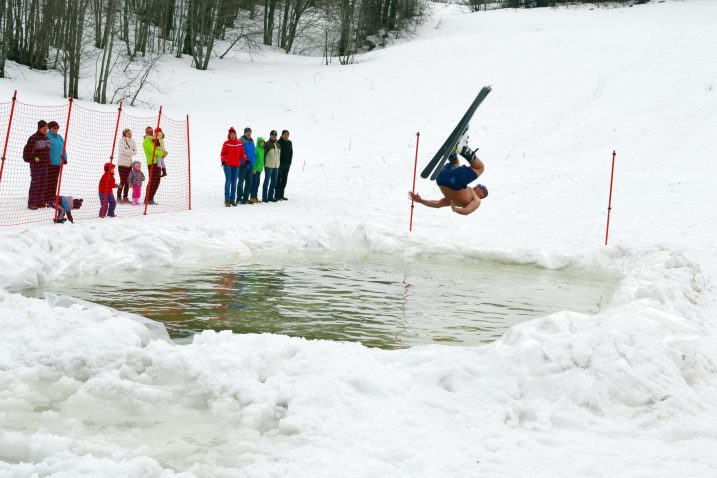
[376,300]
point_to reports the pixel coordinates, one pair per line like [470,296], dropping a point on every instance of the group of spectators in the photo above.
[45,153]
[243,162]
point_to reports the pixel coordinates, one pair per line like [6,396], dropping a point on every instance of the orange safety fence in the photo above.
[30,191]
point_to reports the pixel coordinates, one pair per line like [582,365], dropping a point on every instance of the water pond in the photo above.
[377,300]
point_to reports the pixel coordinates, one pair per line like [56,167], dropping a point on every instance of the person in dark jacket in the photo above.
[37,153]
[287,153]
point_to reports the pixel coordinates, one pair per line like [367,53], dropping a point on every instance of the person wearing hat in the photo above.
[232,156]
[58,157]
[258,168]
[106,190]
[37,153]
[453,182]
[287,153]
[272,154]
[246,170]
[65,205]
[152,151]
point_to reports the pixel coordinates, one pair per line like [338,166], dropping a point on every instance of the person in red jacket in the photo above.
[233,156]
[107,184]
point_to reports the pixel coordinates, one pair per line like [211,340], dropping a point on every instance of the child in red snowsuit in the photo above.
[107,184]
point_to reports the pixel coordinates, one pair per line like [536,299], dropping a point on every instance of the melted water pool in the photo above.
[375,300]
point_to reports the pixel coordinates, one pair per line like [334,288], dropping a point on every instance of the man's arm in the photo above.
[443,202]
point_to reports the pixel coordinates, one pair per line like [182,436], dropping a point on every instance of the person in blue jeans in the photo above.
[232,156]
[247,168]
[272,154]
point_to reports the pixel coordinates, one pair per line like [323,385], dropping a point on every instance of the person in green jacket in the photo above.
[258,168]
[152,151]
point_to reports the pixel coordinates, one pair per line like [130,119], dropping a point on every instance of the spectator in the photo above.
[127,151]
[135,179]
[37,153]
[272,153]
[151,151]
[58,156]
[107,185]
[258,168]
[287,153]
[232,155]
[159,135]
[246,170]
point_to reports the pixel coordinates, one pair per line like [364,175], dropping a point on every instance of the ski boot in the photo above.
[467,153]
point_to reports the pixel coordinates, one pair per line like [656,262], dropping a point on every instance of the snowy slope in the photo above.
[631,391]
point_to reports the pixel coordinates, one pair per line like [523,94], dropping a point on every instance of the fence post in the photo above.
[62,163]
[413,190]
[7,135]
[114,140]
[609,202]
[154,152]
[189,165]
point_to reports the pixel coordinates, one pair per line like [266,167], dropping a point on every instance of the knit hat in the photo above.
[53,124]
[232,130]
[247,130]
[109,166]
[41,124]
[272,132]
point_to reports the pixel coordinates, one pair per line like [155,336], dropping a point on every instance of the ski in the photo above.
[436,163]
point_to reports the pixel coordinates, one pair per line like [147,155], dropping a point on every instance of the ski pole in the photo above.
[413,190]
[609,202]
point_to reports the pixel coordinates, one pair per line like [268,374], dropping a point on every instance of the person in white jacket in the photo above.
[127,151]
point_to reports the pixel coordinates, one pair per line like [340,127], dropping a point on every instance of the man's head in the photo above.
[148,131]
[481,191]
[285,134]
[247,132]
[272,134]
[232,133]
[53,126]
[42,126]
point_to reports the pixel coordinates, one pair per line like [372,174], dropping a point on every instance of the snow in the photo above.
[630,391]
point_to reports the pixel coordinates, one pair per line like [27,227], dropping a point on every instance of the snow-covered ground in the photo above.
[630,391]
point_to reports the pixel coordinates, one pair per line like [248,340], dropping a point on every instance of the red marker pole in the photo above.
[7,135]
[609,202]
[62,163]
[413,189]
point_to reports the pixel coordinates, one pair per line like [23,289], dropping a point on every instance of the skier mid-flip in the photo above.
[453,179]
[453,182]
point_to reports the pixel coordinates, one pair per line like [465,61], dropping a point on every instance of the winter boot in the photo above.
[227,203]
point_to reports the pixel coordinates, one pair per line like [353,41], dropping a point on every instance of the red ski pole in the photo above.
[413,189]
[609,202]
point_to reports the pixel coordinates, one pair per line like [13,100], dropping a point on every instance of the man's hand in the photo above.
[415,196]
